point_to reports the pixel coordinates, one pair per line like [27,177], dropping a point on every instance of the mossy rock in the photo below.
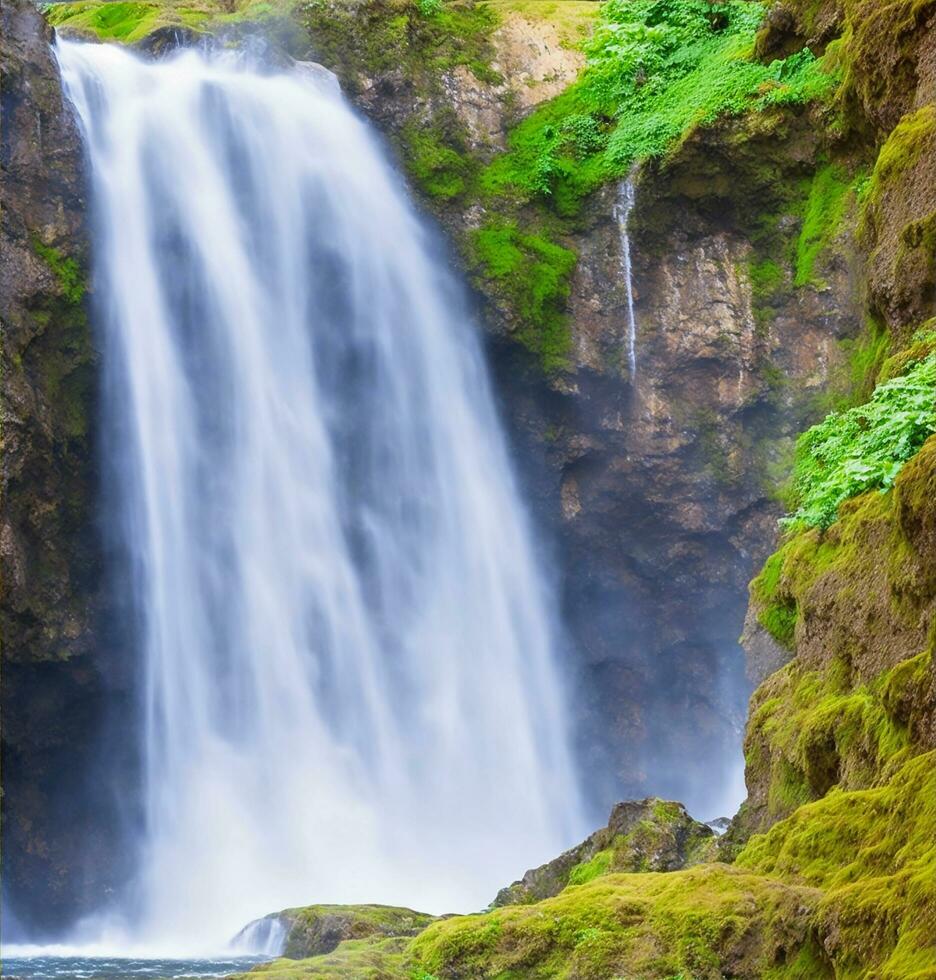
[644,835]
[126,21]
[706,922]
[318,929]
[873,853]
[353,959]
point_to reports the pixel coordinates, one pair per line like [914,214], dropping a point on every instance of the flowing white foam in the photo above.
[623,206]
[350,688]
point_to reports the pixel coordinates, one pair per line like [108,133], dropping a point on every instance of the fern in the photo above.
[864,448]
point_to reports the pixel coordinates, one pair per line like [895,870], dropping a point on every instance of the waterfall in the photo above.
[623,206]
[349,686]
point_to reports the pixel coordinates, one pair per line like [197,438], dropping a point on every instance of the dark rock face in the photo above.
[644,835]
[54,692]
[663,482]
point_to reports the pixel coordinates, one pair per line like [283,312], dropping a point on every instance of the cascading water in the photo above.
[349,683]
[623,207]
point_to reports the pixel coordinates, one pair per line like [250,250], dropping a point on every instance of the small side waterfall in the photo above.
[624,205]
[348,682]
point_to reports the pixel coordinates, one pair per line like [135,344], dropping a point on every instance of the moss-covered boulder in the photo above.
[873,854]
[317,929]
[645,835]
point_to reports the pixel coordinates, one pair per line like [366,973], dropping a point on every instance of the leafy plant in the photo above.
[865,447]
[656,68]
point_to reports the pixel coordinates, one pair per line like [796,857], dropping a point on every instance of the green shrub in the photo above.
[865,447]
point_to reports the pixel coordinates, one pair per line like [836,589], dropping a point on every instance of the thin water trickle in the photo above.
[349,681]
[623,207]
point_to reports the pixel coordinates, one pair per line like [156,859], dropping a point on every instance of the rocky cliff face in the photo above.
[775,256]
[657,491]
[55,672]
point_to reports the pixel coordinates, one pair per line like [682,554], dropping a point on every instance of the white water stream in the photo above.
[349,681]
[627,197]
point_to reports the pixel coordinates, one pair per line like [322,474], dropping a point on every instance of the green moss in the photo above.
[873,852]
[776,609]
[65,269]
[436,167]
[832,735]
[692,922]
[900,153]
[767,277]
[825,209]
[354,959]
[117,20]
[588,870]
[780,622]
[63,359]
[534,274]
[864,357]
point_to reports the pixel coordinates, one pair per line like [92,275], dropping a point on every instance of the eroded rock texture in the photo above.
[54,670]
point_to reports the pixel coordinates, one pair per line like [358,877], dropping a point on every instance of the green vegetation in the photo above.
[656,70]
[690,922]
[588,870]
[822,731]
[777,616]
[127,22]
[63,357]
[871,852]
[438,169]
[900,152]
[66,271]
[825,209]
[533,274]
[354,959]
[865,447]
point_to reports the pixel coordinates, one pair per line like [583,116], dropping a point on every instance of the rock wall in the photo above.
[57,675]
[656,494]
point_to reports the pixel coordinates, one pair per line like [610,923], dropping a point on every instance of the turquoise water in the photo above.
[118,968]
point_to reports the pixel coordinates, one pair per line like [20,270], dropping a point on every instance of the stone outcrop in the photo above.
[641,835]
[315,930]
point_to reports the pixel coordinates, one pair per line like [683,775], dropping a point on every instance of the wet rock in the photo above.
[56,671]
